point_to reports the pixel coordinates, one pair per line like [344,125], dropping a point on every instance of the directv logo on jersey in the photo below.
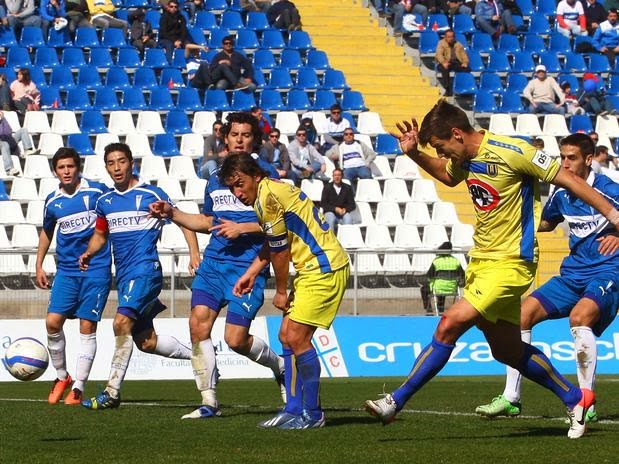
[75,222]
[124,221]
[129,221]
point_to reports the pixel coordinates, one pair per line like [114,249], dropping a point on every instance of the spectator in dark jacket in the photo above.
[595,14]
[230,69]
[173,33]
[284,15]
[276,154]
[77,14]
[142,34]
[338,201]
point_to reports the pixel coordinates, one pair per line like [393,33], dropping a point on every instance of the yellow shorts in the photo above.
[317,297]
[495,287]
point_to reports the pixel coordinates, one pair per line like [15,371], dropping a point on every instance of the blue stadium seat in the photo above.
[534,44]
[92,122]
[72,57]
[351,120]
[117,78]
[516,82]
[280,79]
[113,38]
[463,24]
[217,6]
[231,20]
[165,145]
[86,37]
[264,59]
[613,84]
[508,44]
[539,25]
[614,101]
[205,20]
[188,99]
[484,102]
[178,58]
[551,61]
[133,100]
[573,81]
[3,195]
[242,101]
[546,7]
[352,100]
[428,40]
[581,123]
[46,57]
[31,37]
[80,143]
[177,122]
[307,79]
[298,101]
[490,82]
[62,77]
[155,58]
[216,100]
[50,97]
[135,4]
[290,59]
[318,60]
[129,58]
[437,21]
[101,58]
[387,144]
[334,79]
[598,64]
[526,7]
[7,37]
[160,99]
[559,44]
[464,84]
[153,16]
[273,39]
[257,21]
[324,99]
[78,99]
[259,80]
[37,75]
[482,42]
[171,74]
[271,100]
[511,103]
[299,40]
[88,77]
[197,35]
[9,74]
[216,37]
[523,63]
[105,100]
[145,78]
[247,40]
[498,62]
[18,57]
[475,62]
[574,62]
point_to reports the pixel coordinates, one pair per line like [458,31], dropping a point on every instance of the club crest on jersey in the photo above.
[485,196]
[138,201]
[492,170]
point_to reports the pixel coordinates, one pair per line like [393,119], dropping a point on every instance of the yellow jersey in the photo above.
[503,183]
[290,219]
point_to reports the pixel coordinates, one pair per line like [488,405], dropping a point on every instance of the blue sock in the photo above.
[429,363]
[294,392]
[535,366]
[309,371]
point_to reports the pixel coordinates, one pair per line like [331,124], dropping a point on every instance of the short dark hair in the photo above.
[440,120]
[584,143]
[445,246]
[275,130]
[335,107]
[613,10]
[337,169]
[228,38]
[122,147]
[244,118]
[240,162]
[217,122]
[64,153]
[601,149]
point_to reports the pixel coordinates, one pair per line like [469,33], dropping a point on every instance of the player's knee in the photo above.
[447,330]
[237,343]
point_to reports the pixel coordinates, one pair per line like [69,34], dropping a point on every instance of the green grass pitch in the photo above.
[437,426]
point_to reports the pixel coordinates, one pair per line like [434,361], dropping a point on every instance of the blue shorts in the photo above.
[79,296]
[212,287]
[559,295]
[138,297]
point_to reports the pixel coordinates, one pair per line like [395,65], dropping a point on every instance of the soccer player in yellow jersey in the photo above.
[295,230]
[502,176]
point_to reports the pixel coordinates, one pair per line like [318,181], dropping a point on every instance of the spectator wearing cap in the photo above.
[542,91]
[450,56]
[606,37]
[571,19]
[230,69]
[595,14]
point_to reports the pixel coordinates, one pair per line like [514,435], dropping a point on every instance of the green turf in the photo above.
[436,427]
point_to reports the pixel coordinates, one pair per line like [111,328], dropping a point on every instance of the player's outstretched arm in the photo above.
[96,243]
[409,144]
[232,230]
[195,222]
[44,242]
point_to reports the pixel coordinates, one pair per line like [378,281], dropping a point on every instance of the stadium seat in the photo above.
[192,145]
[11,213]
[380,168]
[36,122]
[25,236]
[86,37]
[13,120]
[297,100]
[78,99]
[73,58]
[149,123]
[271,100]
[121,123]
[534,44]
[46,186]
[152,168]
[424,190]
[491,82]
[62,78]
[598,64]
[171,186]
[498,63]
[105,100]
[551,146]
[7,37]
[511,102]
[416,213]
[165,145]
[177,122]
[117,78]
[182,168]
[559,44]
[368,122]
[139,145]
[113,38]
[481,42]
[101,58]
[377,236]
[171,77]
[287,122]
[102,140]
[539,25]
[188,99]
[37,167]
[313,189]
[508,44]
[160,100]
[18,57]
[49,143]
[34,212]
[154,16]
[247,40]
[350,236]
[395,190]
[280,79]
[257,21]
[463,24]
[46,57]
[133,101]
[555,125]
[574,62]
[291,59]
[307,79]
[387,144]
[80,143]
[388,213]
[462,236]
[194,190]
[527,124]
[129,59]
[551,61]
[405,168]
[24,189]
[263,60]
[318,60]
[484,102]
[434,235]
[155,58]
[273,39]
[231,20]
[573,81]
[50,98]
[501,124]
[92,122]
[580,123]
[352,101]
[145,78]
[31,37]
[216,37]
[324,99]
[523,63]
[216,100]
[203,122]
[444,213]
[64,122]
[516,82]
[464,84]
[407,236]
[299,40]
[368,190]
[334,79]
[204,20]
[606,125]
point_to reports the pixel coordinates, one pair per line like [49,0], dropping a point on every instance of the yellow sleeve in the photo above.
[533,162]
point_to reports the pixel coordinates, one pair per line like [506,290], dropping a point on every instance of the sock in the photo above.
[261,353]
[586,357]
[429,363]
[535,366]
[514,378]
[120,362]
[308,366]
[205,371]
[294,387]
[88,349]
[56,344]
[170,347]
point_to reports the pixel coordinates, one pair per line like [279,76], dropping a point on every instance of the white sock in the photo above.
[88,349]
[205,371]
[261,353]
[56,344]
[170,347]
[120,363]
[586,356]
[514,378]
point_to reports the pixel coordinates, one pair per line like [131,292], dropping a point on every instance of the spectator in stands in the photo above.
[255,5]
[192,7]
[8,145]
[22,13]
[77,14]
[307,122]
[263,121]
[571,19]
[595,14]
[337,202]
[542,91]
[572,105]
[196,65]
[600,159]
[173,33]
[276,154]
[52,14]
[24,92]
[142,33]
[334,128]
[353,157]
[405,7]
[455,7]
[306,161]
[284,15]
[5,94]
[102,15]
[491,17]
[214,150]
[606,37]
[594,96]
[443,278]
[230,69]
[450,56]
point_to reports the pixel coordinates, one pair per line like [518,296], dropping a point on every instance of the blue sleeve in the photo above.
[597,39]
[207,207]
[269,168]
[552,210]
[49,220]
